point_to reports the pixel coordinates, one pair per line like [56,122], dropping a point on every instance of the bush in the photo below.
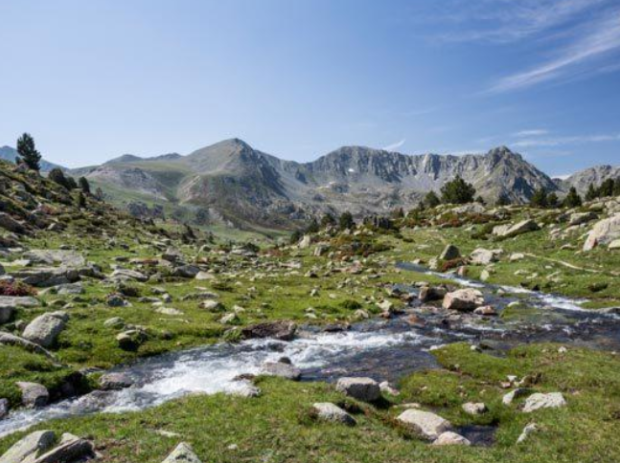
[457,191]
[16,288]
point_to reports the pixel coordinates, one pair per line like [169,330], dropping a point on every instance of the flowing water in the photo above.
[381,349]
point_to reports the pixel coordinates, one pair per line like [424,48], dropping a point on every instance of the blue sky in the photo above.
[298,78]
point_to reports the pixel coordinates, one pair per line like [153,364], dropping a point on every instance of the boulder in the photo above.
[115,381]
[71,449]
[45,277]
[451,438]
[507,231]
[603,232]
[131,340]
[183,453]
[8,339]
[450,252]
[486,311]
[465,300]
[55,256]
[29,447]
[124,275]
[539,400]
[365,389]
[44,329]
[186,271]
[614,245]
[282,370]
[427,425]
[472,408]
[579,218]
[212,306]
[432,293]
[514,394]
[281,330]
[34,395]
[9,223]
[4,408]
[483,256]
[305,242]
[329,412]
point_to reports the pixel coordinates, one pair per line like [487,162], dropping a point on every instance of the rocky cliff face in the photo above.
[248,186]
[594,175]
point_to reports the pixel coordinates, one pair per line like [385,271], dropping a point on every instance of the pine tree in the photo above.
[572,198]
[28,152]
[503,200]
[84,185]
[539,198]
[607,188]
[457,191]
[553,201]
[617,187]
[58,176]
[327,220]
[346,221]
[431,200]
[592,193]
[80,200]
[313,227]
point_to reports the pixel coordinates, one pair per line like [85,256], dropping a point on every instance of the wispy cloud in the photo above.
[600,38]
[394,146]
[570,140]
[506,21]
[530,133]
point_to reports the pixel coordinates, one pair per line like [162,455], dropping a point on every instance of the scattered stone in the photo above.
[281,330]
[229,319]
[603,232]
[34,395]
[212,306]
[387,388]
[45,329]
[515,394]
[451,438]
[539,400]
[463,300]
[71,449]
[131,340]
[329,412]
[187,271]
[527,431]
[169,311]
[427,425]
[432,293]
[114,322]
[115,381]
[516,256]
[27,449]
[53,256]
[450,252]
[44,277]
[4,408]
[483,256]
[579,218]
[365,389]
[282,370]
[183,453]
[247,390]
[8,339]
[472,408]
[507,231]
[486,311]
[124,275]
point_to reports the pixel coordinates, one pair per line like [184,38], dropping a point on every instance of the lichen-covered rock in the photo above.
[465,300]
[451,438]
[427,425]
[44,329]
[33,395]
[29,447]
[329,412]
[539,400]
[507,231]
[183,453]
[365,389]
[603,232]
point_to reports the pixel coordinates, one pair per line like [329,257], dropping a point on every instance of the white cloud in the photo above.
[601,37]
[530,133]
[394,146]
[557,141]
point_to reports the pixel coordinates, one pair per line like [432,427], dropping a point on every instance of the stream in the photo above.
[381,349]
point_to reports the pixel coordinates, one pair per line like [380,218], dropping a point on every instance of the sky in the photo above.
[92,80]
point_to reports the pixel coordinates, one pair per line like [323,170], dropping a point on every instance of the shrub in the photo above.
[16,288]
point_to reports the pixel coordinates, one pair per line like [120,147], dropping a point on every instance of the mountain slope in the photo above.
[233,182]
[594,175]
[10,154]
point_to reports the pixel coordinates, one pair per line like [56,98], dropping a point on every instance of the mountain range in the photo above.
[230,182]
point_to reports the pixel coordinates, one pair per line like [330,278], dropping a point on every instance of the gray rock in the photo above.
[329,412]
[44,277]
[183,453]
[9,223]
[450,252]
[8,339]
[114,322]
[514,394]
[432,293]
[4,408]
[124,275]
[29,447]
[483,256]
[579,218]
[246,390]
[131,340]
[70,449]
[33,395]
[282,370]
[538,401]
[365,389]
[604,232]
[281,330]
[507,231]
[115,381]
[9,304]
[186,271]
[427,425]
[474,408]
[212,306]
[527,431]
[465,300]
[451,438]
[53,256]
[44,329]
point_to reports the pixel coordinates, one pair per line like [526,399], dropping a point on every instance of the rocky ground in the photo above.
[86,288]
